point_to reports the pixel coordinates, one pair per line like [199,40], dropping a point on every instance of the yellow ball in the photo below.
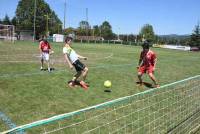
[107,83]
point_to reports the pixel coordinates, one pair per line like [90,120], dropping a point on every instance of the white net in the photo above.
[173,108]
[7,33]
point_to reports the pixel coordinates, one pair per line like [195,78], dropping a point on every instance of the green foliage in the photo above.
[6,20]
[96,30]
[106,30]
[195,37]
[27,94]
[84,25]
[69,30]
[147,33]
[25,17]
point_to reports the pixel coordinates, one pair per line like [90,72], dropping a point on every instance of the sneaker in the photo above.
[49,70]
[41,68]
[83,85]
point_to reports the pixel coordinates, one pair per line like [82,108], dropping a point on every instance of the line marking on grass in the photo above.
[58,71]
[7,120]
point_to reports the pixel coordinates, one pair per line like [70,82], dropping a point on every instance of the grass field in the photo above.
[28,94]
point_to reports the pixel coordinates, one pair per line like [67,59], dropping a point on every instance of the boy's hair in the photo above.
[146,45]
[68,38]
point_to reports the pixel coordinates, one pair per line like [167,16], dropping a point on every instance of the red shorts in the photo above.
[144,69]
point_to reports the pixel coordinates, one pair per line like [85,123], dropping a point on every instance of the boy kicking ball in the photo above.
[72,58]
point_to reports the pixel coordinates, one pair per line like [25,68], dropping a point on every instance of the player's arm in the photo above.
[68,61]
[40,49]
[50,50]
[82,57]
[140,60]
[154,61]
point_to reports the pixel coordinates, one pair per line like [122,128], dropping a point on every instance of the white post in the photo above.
[34,21]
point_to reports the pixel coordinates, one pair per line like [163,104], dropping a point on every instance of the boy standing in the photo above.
[147,63]
[45,50]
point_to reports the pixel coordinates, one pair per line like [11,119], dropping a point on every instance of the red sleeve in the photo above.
[154,57]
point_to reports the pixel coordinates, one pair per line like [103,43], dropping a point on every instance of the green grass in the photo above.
[27,94]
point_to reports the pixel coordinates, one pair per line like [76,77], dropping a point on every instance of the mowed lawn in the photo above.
[28,94]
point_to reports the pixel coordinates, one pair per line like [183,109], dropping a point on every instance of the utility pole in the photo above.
[34,21]
[47,26]
[64,14]
[87,25]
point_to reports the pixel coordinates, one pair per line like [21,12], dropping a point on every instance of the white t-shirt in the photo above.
[70,53]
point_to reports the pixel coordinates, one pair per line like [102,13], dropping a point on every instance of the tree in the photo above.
[6,20]
[69,30]
[84,25]
[106,31]
[14,21]
[96,30]
[147,33]
[195,37]
[46,19]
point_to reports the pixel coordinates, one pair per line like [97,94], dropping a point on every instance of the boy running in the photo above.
[73,61]
[147,63]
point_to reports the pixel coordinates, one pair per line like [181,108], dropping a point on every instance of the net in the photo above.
[7,32]
[173,108]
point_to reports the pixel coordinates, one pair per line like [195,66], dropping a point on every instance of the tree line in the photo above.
[47,22]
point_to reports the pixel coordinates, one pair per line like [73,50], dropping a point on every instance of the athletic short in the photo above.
[144,69]
[79,66]
[45,56]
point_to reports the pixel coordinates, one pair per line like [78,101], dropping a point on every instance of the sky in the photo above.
[125,16]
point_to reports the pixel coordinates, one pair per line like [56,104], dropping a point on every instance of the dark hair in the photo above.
[68,39]
[146,45]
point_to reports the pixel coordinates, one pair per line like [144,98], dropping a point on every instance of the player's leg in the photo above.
[84,73]
[141,71]
[48,61]
[151,75]
[76,76]
[75,79]
[42,61]
[140,77]
[80,67]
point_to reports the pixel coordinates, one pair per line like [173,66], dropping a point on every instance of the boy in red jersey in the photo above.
[45,50]
[147,63]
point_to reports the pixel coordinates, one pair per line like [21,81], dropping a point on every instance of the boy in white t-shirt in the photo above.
[73,61]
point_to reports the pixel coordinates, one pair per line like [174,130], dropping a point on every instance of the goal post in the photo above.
[7,33]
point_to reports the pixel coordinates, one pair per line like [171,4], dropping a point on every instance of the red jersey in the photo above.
[148,58]
[44,46]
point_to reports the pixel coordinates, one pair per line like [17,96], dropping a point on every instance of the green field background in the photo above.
[28,94]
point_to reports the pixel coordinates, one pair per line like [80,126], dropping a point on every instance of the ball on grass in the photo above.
[107,84]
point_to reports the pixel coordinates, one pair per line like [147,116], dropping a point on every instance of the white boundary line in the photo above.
[61,70]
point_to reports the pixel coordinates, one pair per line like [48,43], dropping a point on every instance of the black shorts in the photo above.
[79,66]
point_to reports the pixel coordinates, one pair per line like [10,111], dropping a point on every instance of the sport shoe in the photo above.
[41,68]
[49,69]
[83,85]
